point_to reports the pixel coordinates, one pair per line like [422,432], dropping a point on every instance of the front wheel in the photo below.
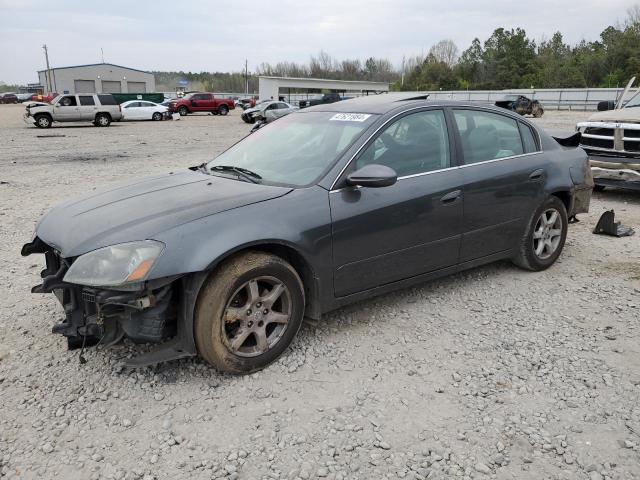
[538,112]
[248,312]
[157,116]
[43,121]
[544,236]
[183,111]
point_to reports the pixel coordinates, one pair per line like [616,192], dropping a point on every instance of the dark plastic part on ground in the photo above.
[608,226]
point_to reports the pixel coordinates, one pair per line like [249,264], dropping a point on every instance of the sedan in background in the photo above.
[325,207]
[144,110]
[9,98]
[259,112]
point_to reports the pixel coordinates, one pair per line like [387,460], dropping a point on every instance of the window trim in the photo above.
[453,153]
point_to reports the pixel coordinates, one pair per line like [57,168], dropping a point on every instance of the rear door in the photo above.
[383,235]
[503,180]
[88,108]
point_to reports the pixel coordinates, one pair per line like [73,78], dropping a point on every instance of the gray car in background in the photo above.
[325,207]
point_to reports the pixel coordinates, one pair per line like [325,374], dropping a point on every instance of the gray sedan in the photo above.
[327,206]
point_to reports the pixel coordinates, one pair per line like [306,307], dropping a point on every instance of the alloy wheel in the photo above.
[547,233]
[256,316]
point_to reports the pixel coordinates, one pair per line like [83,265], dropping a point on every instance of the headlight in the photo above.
[115,265]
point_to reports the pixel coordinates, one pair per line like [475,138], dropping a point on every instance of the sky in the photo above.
[200,35]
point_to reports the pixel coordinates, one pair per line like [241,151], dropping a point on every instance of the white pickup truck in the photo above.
[611,139]
[100,109]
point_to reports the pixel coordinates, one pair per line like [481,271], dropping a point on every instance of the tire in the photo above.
[247,119]
[157,116]
[183,111]
[43,121]
[540,233]
[223,110]
[234,299]
[102,120]
[538,112]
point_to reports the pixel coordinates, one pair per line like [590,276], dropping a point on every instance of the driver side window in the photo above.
[416,143]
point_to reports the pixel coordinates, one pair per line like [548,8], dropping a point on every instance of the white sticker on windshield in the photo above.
[350,117]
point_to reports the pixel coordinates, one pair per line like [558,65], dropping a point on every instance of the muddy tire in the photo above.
[43,121]
[183,111]
[248,312]
[544,236]
[102,120]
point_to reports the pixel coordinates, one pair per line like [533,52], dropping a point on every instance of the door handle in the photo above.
[451,197]
[536,175]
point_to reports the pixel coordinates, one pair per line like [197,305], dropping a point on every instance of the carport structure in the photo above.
[269,87]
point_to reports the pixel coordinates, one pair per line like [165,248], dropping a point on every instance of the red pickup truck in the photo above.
[201,102]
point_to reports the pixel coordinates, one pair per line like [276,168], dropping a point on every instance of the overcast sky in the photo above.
[203,35]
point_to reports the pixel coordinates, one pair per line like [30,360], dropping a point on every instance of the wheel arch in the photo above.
[291,254]
[565,197]
[103,113]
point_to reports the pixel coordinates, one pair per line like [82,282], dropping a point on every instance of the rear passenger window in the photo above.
[107,100]
[416,143]
[528,139]
[86,100]
[487,136]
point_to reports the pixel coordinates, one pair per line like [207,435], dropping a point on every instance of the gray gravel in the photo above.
[492,373]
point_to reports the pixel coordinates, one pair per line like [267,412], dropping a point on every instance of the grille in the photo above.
[88,296]
[632,133]
[632,146]
[605,132]
[597,142]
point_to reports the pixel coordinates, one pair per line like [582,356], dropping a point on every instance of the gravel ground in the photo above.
[492,373]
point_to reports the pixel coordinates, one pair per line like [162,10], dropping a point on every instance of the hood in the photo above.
[37,104]
[251,110]
[142,209]
[631,115]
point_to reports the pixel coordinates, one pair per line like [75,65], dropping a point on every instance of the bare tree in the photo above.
[633,16]
[445,51]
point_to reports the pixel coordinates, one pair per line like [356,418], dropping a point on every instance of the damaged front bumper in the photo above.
[609,171]
[155,312]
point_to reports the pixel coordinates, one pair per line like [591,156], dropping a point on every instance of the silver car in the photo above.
[100,109]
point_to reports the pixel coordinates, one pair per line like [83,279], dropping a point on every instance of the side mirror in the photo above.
[606,105]
[373,176]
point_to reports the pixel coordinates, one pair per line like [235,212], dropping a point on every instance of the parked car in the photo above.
[322,208]
[100,109]
[40,97]
[245,103]
[142,110]
[522,105]
[9,98]
[324,99]
[23,97]
[259,112]
[612,141]
[201,102]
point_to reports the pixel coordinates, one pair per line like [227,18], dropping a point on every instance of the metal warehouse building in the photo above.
[97,78]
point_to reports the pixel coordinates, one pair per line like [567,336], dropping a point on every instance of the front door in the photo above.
[67,109]
[383,235]
[503,177]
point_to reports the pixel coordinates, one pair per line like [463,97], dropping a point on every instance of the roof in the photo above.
[325,80]
[386,102]
[97,65]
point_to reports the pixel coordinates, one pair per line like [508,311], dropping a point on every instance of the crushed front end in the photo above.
[614,152]
[144,312]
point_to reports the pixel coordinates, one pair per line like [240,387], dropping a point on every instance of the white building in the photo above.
[97,78]
[270,87]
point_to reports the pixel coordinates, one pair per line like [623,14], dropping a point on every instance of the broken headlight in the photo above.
[117,265]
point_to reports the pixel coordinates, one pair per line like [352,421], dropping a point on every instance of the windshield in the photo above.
[296,149]
[634,102]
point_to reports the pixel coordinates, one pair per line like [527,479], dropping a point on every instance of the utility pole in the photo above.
[246,77]
[48,75]
[102,53]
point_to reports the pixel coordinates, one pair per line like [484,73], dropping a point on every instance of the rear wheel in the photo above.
[223,110]
[157,116]
[538,112]
[43,121]
[544,236]
[248,312]
[102,120]
[183,111]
